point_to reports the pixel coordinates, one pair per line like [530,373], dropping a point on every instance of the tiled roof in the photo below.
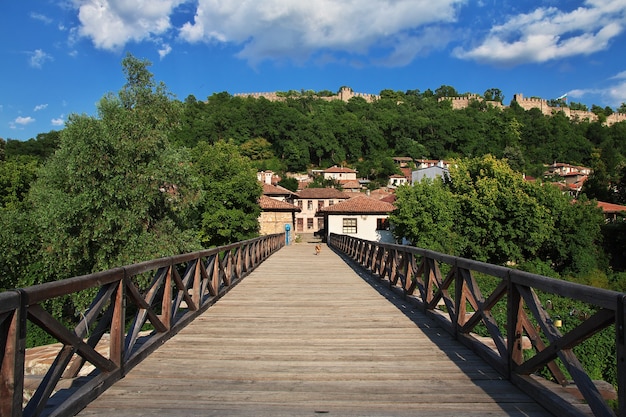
[380,193]
[359,205]
[271,204]
[269,189]
[350,184]
[321,193]
[407,172]
[391,198]
[335,170]
[611,208]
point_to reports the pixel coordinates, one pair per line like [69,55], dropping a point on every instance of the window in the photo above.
[382,224]
[309,223]
[300,204]
[309,204]
[349,226]
[320,204]
[331,202]
[320,223]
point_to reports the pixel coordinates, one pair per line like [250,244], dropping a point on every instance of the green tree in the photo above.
[44,145]
[425,215]
[289,183]
[499,219]
[16,176]
[494,94]
[575,243]
[228,209]
[115,192]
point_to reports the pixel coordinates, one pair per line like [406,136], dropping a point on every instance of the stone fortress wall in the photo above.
[542,105]
[345,94]
[536,103]
[464,101]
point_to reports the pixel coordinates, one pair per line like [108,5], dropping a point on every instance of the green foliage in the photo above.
[40,148]
[499,217]
[425,215]
[378,169]
[115,192]
[289,183]
[487,212]
[19,247]
[16,176]
[228,208]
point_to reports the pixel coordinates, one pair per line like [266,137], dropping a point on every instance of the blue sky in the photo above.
[60,57]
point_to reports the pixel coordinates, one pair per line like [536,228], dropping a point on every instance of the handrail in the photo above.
[416,272]
[182,287]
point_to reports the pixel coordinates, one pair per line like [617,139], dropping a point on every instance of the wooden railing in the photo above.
[457,301]
[180,289]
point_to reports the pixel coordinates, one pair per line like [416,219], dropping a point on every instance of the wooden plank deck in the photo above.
[305,335]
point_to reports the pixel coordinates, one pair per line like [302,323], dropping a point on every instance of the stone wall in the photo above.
[271,222]
[464,101]
[345,94]
[578,115]
[537,103]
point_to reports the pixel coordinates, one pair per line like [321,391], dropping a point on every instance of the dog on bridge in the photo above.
[318,249]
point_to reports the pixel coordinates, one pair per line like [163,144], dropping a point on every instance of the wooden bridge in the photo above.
[305,335]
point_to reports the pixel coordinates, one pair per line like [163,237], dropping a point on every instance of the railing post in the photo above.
[513,327]
[118,323]
[12,351]
[620,333]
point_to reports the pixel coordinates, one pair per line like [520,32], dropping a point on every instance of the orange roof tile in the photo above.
[610,207]
[334,170]
[271,204]
[358,205]
[269,189]
[322,193]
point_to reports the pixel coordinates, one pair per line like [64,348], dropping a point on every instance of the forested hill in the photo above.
[303,130]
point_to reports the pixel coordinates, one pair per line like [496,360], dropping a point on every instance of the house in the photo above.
[612,212]
[275,215]
[267,177]
[351,186]
[310,200]
[362,216]
[427,163]
[561,169]
[431,172]
[278,193]
[402,161]
[277,209]
[396,180]
[339,174]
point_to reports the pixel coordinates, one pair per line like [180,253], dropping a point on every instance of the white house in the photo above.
[310,200]
[396,180]
[361,216]
[339,174]
[430,172]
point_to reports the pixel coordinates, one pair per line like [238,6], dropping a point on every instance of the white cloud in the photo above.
[38,58]
[41,18]
[277,29]
[165,49]
[112,23]
[549,33]
[59,121]
[40,107]
[614,94]
[620,76]
[21,121]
